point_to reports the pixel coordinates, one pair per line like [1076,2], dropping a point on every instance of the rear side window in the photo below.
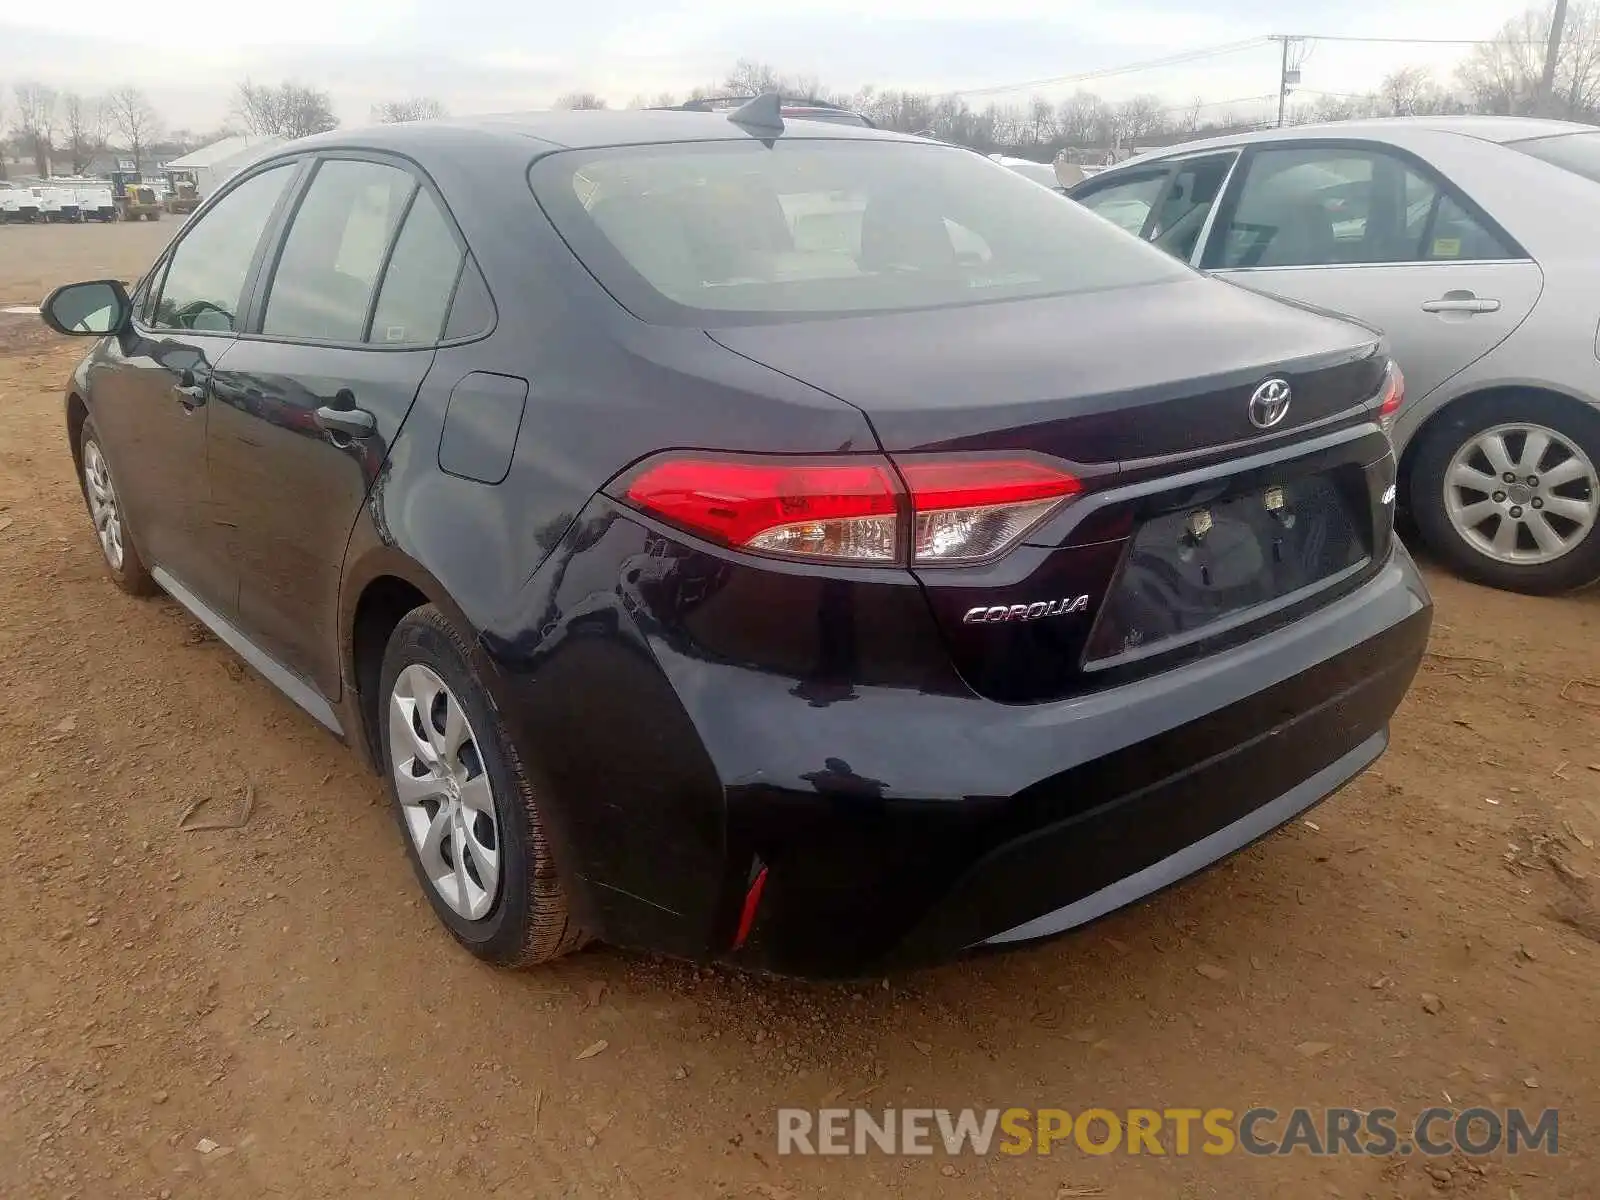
[472,311]
[1575,152]
[206,274]
[1337,206]
[736,232]
[323,285]
[420,280]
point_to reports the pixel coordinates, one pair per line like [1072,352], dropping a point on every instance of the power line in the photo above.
[1171,60]
[1296,49]
[1406,41]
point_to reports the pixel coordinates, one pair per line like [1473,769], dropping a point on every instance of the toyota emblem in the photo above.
[1269,404]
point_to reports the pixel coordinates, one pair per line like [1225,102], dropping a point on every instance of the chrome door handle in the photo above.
[1460,304]
[192,388]
[351,422]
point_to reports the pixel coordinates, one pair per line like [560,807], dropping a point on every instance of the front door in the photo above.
[151,389]
[308,406]
[1360,230]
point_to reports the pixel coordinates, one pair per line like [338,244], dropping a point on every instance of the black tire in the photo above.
[1578,567]
[132,576]
[530,921]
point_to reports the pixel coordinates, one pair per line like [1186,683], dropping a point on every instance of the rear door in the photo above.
[344,327]
[1364,229]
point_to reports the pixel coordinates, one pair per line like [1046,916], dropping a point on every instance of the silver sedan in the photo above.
[1474,244]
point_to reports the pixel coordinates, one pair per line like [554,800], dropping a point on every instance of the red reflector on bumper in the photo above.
[752,901]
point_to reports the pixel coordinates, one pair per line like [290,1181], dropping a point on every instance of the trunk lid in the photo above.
[1145,393]
[1095,378]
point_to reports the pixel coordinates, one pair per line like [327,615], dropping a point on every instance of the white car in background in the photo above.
[1471,242]
[1042,173]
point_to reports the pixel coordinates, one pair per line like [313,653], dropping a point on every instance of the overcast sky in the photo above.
[504,55]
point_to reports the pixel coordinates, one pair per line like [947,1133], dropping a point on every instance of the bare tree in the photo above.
[288,110]
[36,122]
[1504,75]
[659,100]
[1140,117]
[1407,92]
[416,108]
[86,129]
[1081,119]
[1191,115]
[130,112]
[1041,121]
[581,100]
[751,78]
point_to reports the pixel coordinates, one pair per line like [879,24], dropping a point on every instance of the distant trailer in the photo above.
[95,202]
[19,204]
[59,203]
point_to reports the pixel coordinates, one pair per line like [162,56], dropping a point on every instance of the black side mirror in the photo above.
[91,309]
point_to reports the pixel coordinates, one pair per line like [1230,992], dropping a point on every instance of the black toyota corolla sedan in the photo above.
[752,538]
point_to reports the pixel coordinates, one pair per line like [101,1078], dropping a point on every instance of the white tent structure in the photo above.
[213,165]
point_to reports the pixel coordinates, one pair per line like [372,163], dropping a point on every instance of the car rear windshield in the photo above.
[742,232]
[1576,152]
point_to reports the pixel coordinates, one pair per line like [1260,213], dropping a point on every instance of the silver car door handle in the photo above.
[1452,305]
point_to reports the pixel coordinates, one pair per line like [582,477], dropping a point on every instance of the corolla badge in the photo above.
[992,615]
[1269,403]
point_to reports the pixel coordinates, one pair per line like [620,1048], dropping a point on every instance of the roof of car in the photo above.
[581,129]
[1499,130]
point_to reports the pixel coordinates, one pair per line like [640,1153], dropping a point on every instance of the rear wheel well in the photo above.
[77,414]
[383,604]
[1455,408]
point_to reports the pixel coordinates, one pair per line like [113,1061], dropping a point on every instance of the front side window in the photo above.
[736,232]
[323,285]
[1127,204]
[204,285]
[1335,206]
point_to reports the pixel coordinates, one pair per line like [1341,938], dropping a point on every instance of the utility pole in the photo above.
[1286,76]
[1552,53]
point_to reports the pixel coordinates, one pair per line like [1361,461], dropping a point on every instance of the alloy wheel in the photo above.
[103,507]
[445,795]
[1521,493]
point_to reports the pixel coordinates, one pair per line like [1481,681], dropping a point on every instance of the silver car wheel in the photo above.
[1521,493]
[444,793]
[103,508]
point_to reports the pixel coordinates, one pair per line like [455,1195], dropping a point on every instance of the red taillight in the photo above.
[854,509]
[842,509]
[1394,395]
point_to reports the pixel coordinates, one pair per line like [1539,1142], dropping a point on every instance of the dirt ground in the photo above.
[282,989]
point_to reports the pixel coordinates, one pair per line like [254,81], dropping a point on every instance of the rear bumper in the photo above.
[903,825]
[854,889]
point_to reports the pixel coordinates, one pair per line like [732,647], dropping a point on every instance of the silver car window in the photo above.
[1127,204]
[1333,206]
